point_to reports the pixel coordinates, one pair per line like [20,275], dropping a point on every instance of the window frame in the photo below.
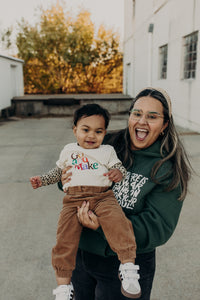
[163,61]
[189,57]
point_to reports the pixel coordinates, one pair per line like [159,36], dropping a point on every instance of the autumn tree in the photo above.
[63,54]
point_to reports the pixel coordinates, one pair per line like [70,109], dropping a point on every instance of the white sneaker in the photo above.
[64,292]
[129,279]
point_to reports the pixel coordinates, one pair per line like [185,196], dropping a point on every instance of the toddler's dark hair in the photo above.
[91,110]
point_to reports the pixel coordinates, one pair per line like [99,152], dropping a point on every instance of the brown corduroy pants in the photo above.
[115,225]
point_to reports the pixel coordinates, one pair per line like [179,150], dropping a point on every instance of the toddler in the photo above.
[94,168]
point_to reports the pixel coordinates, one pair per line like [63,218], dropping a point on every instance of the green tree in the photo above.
[63,55]
[6,37]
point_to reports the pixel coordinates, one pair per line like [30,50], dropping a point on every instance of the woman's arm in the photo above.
[155,224]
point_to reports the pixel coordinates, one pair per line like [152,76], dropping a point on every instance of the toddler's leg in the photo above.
[117,228]
[64,252]
[120,236]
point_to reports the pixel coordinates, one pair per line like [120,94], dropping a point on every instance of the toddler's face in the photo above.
[90,131]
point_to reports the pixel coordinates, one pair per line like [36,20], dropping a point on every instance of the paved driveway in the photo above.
[28,218]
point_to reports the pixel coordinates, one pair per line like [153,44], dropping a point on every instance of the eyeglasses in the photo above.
[150,117]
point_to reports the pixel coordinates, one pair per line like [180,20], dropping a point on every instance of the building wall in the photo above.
[172,20]
[11,80]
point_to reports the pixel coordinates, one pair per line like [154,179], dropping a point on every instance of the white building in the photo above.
[11,80]
[162,49]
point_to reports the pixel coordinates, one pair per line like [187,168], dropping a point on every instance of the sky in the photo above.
[107,12]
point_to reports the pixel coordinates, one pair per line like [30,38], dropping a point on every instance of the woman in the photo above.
[151,196]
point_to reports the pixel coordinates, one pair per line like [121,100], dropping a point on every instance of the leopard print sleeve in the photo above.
[121,168]
[53,176]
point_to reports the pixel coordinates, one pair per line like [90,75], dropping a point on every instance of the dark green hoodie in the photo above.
[153,211]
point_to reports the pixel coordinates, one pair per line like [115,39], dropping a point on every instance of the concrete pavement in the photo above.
[28,218]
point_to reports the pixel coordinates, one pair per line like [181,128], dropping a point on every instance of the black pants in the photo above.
[96,277]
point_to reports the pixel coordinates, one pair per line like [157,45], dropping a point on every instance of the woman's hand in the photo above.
[66,175]
[86,217]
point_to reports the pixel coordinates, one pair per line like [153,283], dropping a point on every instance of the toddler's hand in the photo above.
[36,182]
[114,175]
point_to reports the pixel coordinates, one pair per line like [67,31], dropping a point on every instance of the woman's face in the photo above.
[146,122]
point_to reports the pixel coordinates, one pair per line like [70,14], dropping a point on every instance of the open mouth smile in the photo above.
[141,134]
[90,142]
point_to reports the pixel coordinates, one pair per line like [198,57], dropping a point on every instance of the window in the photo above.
[190,55]
[163,62]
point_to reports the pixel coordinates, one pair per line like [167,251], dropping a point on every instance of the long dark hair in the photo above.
[171,147]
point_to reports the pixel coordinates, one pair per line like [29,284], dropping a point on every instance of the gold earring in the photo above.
[162,133]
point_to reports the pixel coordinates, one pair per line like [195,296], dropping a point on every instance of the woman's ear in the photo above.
[165,126]
[74,130]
